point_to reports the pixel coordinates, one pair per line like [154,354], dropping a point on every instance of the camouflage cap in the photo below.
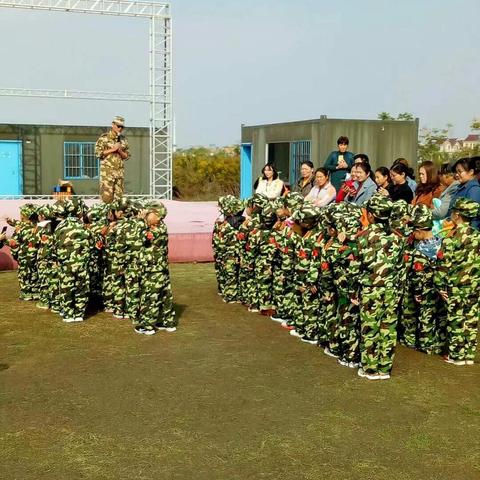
[294,200]
[98,211]
[380,206]
[307,213]
[421,218]
[466,208]
[46,211]
[158,208]
[118,120]
[28,210]
[259,200]
[225,204]
[71,207]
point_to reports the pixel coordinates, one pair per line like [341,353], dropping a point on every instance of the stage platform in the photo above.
[190,226]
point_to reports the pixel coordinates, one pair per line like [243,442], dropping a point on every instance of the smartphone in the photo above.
[4,229]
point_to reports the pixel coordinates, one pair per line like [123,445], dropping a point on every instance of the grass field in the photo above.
[229,396]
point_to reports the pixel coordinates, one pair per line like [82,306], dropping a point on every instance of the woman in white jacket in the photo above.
[269,184]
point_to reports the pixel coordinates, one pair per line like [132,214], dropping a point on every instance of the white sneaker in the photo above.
[171,329]
[118,316]
[378,376]
[454,362]
[78,319]
[343,363]
[144,331]
[294,333]
[69,320]
[327,351]
[277,319]
[306,340]
[469,362]
[361,373]
[353,365]
[108,310]
[253,310]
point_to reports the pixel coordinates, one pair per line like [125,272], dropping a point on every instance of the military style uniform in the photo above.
[23,247]
[112,170]
[73,246]
[156,299]
[379,252]
[458,274]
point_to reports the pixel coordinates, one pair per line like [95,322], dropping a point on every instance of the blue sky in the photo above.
[254,62]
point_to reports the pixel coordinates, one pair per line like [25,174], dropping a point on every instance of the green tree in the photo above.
[384,116]
[405,116]
[430,140]
[475,125]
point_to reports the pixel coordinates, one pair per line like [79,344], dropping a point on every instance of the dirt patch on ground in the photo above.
[230,395]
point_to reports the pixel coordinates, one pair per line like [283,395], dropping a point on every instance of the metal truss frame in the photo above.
[160,75]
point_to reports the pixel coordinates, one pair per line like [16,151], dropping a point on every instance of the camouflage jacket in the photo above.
[45,242]
[344,263]
[113,161]
[379,253]
[73,244]
[129,240]
[247,231]
[458,260]
[306,261]
[154,253]
[227,246]
[24,243]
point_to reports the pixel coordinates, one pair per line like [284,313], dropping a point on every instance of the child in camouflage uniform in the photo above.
[156,300]
[73,247]
[23,246]
[427,332]
[379,252]
[458,281]
[47,284]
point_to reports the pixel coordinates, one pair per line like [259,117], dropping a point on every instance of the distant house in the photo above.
[472,141]
[453,145]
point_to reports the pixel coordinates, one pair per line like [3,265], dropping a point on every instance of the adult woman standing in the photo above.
[307,178]
[466,171]
[339,163]
[400,189]
[323,192]
[366,187]
[429,186]
[450,185]
[269,184]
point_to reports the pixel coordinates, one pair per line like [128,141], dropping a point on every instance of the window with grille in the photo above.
[299,152]
[79,160]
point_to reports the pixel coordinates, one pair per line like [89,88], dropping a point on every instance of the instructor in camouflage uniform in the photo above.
[112,150]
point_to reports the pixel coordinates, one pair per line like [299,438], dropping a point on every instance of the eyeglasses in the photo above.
[119,126]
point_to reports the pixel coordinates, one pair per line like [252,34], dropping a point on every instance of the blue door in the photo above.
[10,167]
[246,184]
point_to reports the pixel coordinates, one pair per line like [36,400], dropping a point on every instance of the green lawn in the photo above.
[229,396]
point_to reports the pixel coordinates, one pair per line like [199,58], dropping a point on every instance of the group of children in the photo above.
[354,280]
[114,257]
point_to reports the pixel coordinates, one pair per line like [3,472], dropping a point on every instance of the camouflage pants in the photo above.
[378,318]
[111,184]
[283,294]
[28,280]
[310,306]
[462,323]
[108,282]
[263,278]
[74,282]
[156,301]
[96,268]
[345,341]
[249,288]
[133,279]
[327,317]
[431,327]
[229,279]
[243,275]
[47,282]
[408,315]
